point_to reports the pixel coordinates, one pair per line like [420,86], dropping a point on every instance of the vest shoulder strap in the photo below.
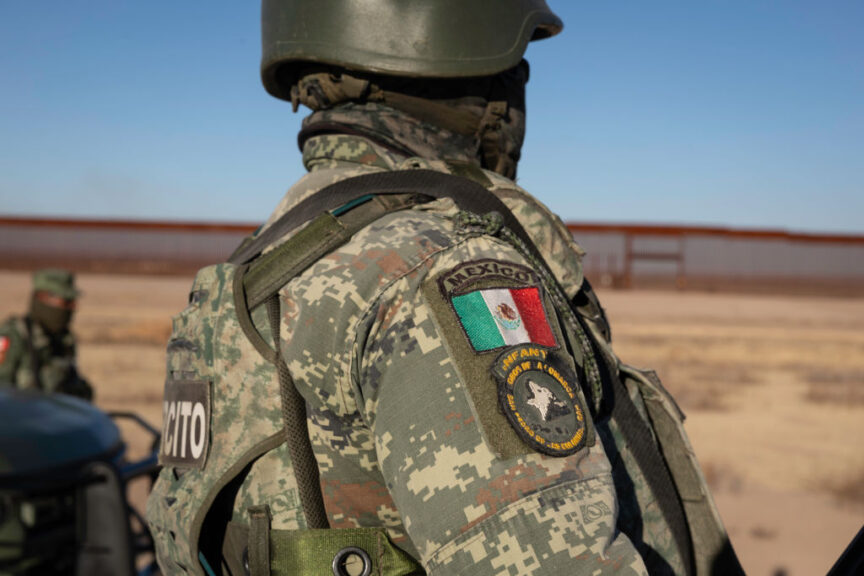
[331,228]
[468,194]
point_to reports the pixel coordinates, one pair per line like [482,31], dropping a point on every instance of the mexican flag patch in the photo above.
[497,317]
[497,304]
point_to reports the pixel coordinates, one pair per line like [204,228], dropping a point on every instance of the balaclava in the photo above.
[478,120]
[54,320]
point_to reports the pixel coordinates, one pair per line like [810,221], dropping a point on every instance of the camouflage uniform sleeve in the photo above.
[11,352]
[472,501]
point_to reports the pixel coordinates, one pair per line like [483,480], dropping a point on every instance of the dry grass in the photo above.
[846,490]
[118,331]
[763,533]
[840,387]
[721,477]
[706,386]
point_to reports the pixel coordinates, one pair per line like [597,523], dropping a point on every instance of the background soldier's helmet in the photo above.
[58,282]
[409,38]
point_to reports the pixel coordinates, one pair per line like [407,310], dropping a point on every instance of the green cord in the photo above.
[492,224]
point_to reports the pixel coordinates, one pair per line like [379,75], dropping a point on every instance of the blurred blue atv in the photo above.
[63,489]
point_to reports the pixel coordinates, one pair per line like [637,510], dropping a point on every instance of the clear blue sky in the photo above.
[742,113]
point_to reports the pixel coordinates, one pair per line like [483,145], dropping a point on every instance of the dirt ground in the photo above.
[773,388]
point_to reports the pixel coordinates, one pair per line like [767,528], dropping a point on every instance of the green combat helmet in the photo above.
[421,58]
[411,38]
[58,282]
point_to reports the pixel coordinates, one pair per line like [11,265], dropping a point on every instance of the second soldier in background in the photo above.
[37,350]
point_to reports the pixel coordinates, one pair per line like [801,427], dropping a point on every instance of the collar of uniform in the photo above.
[328,151]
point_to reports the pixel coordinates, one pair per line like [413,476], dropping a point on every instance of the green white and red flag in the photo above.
[498,317]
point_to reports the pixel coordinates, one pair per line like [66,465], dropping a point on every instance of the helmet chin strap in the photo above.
[489,131]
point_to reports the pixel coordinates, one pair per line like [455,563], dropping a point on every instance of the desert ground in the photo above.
[773,389]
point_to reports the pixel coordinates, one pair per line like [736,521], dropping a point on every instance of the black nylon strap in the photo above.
[467,194]
[639,438]
[636,432]
[647,454]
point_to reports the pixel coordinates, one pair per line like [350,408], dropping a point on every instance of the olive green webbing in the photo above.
[268,273]
[244,318]
[270,443]
[297,430]
[258,550]
[311,552]
[293,406]
[271,271]
[259,283]
[468,194]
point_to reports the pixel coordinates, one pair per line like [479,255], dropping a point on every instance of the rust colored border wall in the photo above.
[618,255]
[575,227]
[668,230]
[127,224]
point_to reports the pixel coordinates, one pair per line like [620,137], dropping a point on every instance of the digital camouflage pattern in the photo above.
[393,424]
[245,427]
[403,414]
[55,357]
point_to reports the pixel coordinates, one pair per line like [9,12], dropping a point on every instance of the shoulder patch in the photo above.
[540,398]
[185,424]
[4,347]
[497,304]
[475,332]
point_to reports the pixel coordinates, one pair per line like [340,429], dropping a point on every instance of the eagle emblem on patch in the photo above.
[540,398]
[498,304]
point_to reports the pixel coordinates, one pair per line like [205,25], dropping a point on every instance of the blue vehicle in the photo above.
[63,489]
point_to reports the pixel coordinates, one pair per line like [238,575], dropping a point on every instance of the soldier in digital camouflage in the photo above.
[37,350]
[422,326]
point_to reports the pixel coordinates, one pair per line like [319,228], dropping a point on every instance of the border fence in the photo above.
[618,256]
[698,257]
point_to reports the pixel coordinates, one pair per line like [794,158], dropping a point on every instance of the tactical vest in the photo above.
[239,491]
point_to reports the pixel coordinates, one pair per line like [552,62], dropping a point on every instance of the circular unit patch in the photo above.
[540,399]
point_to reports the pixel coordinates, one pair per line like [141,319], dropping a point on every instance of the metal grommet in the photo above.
[246,561]
[341,559]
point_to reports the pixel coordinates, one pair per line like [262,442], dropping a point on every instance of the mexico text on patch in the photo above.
[185,424]
[497,304]
[540,398]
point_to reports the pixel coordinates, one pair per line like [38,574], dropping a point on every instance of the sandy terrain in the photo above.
[773,388]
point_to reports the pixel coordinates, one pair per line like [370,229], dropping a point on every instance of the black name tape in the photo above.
[185,424]
[462,277]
